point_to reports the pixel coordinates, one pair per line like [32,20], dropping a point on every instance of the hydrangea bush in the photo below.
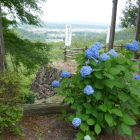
[104,93]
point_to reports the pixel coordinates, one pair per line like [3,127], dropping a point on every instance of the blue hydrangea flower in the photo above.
[55,83]
[137,77]
[88,53]
[132,46]
[88,90]
[85,70]
[87,137]
[94,51]
[76,122]
[104,57]
[112,52]
[98,45]
[65,74]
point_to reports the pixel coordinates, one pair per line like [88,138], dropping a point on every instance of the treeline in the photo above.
[81,39]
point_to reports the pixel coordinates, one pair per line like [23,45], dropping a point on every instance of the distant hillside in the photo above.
[52,25]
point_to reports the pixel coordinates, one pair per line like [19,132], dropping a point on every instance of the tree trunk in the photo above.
[2,51]
[113,24]
[137,28]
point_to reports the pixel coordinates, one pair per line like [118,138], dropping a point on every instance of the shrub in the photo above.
[29,97]
[10,100]
[103,92]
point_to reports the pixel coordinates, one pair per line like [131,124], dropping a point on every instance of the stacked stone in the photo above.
[41,85]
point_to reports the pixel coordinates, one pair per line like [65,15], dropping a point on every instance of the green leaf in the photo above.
[117,112]
[114,71]
[123,96]
[97,95]
[126,129]
[89,111]
[128,76]
[80,108]
[107,65]
[135,90]
[90,121]
[71,100]
[108,118]
[64,112]
[80,136]
[99,84]
[86,81]
[99,75]
[87,105]
[128,120]
[84,117]
[84,127]
[109,76]
[94,113]
[109,83]
[121,60]
[99,117]
[121,68]
[97,128]
[92,61]
[103,108]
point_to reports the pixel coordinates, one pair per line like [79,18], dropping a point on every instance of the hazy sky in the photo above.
[83,10]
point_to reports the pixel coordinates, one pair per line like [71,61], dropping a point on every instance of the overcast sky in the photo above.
[80,10]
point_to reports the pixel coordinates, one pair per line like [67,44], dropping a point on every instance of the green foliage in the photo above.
[29,97]
[23,9]
[24,52]
[10,100]
[115,101]
[129,14]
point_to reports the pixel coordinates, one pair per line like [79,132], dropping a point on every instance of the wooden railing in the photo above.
[70,53]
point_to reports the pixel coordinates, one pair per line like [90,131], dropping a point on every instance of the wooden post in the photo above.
[137,28]
[2,50]
[65,53]
[113,24]
[105,48]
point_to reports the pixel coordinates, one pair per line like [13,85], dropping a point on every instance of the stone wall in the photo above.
[41,85]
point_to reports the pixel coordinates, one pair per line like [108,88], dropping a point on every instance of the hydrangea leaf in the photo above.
[107,65]
[99,75]
[80,136]
[108,118]
[84,117]
[123,96]
[117,112]
[121,68]
[111,77]
[80,108]
[97,128]
[109,83]
[90,121]
[114,71]
[87,105]
[97,95]
[103,108]
[128,76]
[84,127]
[99,84]
[120,60]
[99,117]
[126,129]
[128,120]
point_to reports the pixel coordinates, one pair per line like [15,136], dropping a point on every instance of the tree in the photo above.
[129,14]
[21,9]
